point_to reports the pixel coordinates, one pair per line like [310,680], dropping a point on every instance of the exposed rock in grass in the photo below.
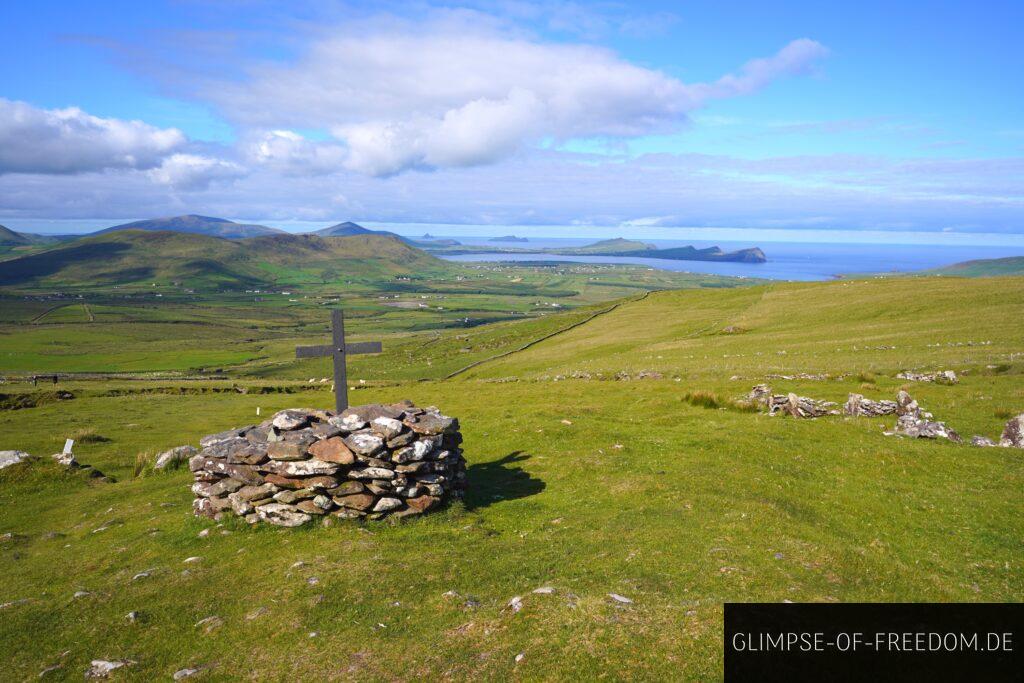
[182,674]
[8,458]
[210,624]
[621,599]
[983,442]
[174,457]
[102,668]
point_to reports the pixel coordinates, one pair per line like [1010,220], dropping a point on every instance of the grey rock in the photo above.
[8,458]
[300,468]
[182,674]
[415,452]
[210,624]
[982,442]
[287,420]
[800,406]
[364,443]
[1013,433]
[387,505]
[282,515]
[174,457]
[857,405]
[372,473]
[431,423]
[102,668]
[388,427]
[213,439]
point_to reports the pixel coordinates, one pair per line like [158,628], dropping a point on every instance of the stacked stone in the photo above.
[914,422]
[857,405]
[368,461]
[942,377]
[800,406]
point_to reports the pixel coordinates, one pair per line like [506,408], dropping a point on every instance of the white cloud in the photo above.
[34,140]
[194,171]
[460,92]
[292,154]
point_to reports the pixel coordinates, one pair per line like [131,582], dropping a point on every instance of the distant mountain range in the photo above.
[508,238]
[141,257]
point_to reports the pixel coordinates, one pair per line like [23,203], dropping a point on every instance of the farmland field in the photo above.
[606,451]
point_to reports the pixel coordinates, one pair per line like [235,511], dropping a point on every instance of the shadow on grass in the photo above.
[498,480]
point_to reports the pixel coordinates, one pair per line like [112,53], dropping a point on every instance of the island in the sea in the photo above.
[619,247]
[508,238]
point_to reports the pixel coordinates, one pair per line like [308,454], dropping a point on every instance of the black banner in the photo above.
[874,642]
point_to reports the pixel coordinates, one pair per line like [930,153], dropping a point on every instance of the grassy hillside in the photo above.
[886,325]
[1013,265]
[660,490]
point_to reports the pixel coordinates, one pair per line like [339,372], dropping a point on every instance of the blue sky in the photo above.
[835,116]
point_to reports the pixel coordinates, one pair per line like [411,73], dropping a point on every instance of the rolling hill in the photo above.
[199,225]
[10,238]
[138,257]
[1013,265]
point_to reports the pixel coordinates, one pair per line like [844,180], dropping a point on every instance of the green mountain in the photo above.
[346,229]
[616,246]
[138,257]
[9,238]
[1013,265]
[349,229]
[199,225]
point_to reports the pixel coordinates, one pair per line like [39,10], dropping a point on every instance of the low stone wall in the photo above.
[368,461]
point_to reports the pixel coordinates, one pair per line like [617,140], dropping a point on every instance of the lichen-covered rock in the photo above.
[364,443]
[1013,433]
[982,442]
[287,420]
[369,461]
[282,515]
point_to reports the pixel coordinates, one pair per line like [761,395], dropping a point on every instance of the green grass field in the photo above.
[644,493]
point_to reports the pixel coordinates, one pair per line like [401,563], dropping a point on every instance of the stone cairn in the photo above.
[368,461]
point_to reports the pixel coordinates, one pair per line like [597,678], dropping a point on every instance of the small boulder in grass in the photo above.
[174,457]
[8,458]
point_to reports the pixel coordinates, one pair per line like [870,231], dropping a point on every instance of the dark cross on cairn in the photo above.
[338,349]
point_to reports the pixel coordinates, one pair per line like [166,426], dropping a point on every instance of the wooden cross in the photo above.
[338,349]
